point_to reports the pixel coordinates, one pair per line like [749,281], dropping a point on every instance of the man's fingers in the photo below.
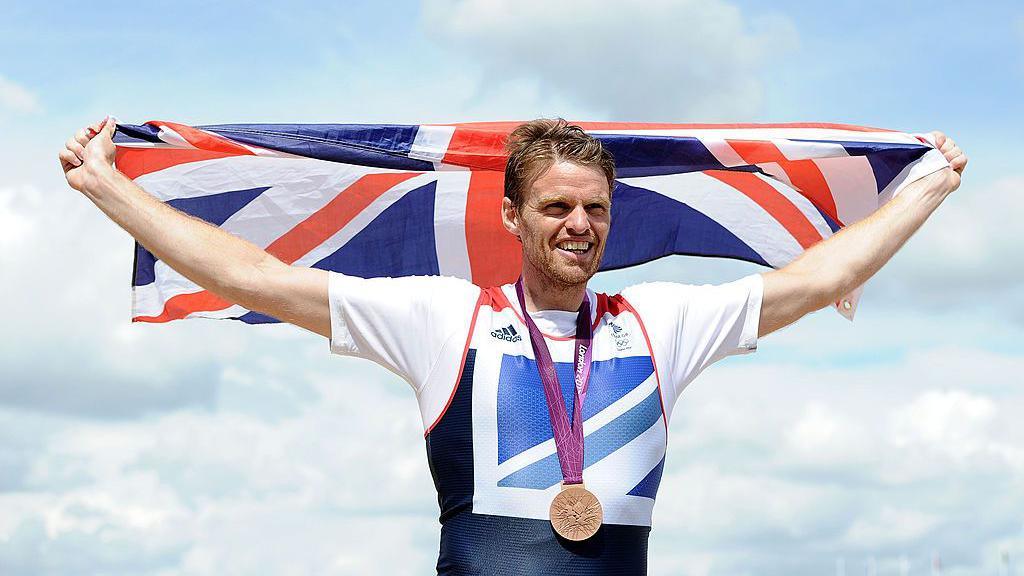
[82,136]
[68,159]
[956,151]
[959,162]
[940,138]
[86,134]
[75,148]
[109,125]
[950,150]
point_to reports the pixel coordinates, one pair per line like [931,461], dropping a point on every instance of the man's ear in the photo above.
[510,217]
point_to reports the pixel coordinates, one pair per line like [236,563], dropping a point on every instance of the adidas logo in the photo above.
[508,334]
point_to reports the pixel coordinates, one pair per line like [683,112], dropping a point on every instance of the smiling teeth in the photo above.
[574,245]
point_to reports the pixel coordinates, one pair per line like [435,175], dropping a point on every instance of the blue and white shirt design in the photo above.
[467,354]
[516,470]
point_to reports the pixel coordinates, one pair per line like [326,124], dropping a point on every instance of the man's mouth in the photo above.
[574,246]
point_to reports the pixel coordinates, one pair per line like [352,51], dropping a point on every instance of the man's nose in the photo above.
[578,222]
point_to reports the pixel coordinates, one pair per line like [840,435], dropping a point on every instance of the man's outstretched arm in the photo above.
[834,267]
[226,265]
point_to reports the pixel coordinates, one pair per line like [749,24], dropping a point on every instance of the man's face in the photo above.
[563,222]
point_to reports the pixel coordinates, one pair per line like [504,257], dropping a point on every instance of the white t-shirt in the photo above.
[417,327]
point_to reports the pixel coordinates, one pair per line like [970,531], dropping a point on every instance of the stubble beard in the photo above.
[561,277]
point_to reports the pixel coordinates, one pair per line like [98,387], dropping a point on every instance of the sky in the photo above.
[211,447]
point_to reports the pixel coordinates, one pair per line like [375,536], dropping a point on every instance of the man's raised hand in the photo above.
[956,158]
[230,267]
[836,266]
[88,153]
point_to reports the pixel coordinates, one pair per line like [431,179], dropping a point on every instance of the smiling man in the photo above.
[545,404]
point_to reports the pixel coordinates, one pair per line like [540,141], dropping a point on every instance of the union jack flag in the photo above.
[396,200]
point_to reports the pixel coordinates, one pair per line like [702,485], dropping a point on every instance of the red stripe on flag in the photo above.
[204,140]
[803,174]
[180,306]
[495,255]
[297,242]
[479,147]
[335,215]
[777,205]
[135,162]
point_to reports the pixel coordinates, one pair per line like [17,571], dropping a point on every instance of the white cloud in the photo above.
[337,487]
[14,227]
[824,436]
[659,61]
[952,421]
[888,526]
[716,506]
[66,347]
[17,98]
[798,466]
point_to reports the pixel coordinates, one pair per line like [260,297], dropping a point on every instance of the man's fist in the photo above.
[956,158]
[88,154]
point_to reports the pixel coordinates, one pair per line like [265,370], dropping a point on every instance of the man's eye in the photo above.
[559,206]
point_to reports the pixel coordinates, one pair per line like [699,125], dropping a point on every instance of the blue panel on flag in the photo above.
[214,208]
[379,145]
[658,155]
[132,134]
[887,165]
[647,225]
[145,262]
[832,224]
[398,242]
[257,318]
[523,420]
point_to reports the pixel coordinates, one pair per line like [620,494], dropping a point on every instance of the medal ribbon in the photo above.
[568,435]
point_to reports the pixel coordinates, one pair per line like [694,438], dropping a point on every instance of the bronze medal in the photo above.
[576,513]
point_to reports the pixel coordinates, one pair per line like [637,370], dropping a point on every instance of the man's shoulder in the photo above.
[663,286]
[416,281]
[653,291]
[436,289]
[665,294]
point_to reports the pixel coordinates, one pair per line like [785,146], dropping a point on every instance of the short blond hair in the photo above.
[534,146]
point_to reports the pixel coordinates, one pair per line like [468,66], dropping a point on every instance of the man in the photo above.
[545,405]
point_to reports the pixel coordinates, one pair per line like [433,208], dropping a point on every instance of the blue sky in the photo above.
[187,448]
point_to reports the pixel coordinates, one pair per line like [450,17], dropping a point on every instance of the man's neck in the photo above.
[543,294]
